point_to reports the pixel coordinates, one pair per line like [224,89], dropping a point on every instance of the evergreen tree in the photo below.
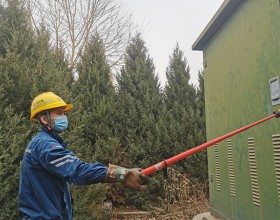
[13,139]
[28,66]
[178,88]
[13,28]
[140,104]
[93,133]
[13,18]
[181,100]
[200,168]
[94,93]
[201,98]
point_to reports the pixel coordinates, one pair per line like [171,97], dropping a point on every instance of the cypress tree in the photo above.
[13,138]
[14,34]
[93,133]
[14,132]
[139,111]
[94,94]
[140,102]
[28,66]
[178,88]
[180,99]
[200,168]
[13,18]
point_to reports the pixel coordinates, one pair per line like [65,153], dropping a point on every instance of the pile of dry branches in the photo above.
[183,200]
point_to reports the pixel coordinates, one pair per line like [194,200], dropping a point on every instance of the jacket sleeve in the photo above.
[63,163]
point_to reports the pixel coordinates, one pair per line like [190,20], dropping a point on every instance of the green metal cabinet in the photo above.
[241,53]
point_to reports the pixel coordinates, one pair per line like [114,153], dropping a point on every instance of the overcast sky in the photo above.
[165,22]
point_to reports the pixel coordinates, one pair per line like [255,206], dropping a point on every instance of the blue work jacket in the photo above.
[47,170]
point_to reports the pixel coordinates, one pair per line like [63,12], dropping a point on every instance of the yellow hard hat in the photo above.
[46,101]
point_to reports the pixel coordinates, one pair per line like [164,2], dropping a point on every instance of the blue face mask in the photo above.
[60,123]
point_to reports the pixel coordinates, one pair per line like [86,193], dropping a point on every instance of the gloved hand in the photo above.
[130,177]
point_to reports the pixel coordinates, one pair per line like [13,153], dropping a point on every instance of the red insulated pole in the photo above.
[168,162]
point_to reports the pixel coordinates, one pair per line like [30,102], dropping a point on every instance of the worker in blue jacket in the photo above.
[48,167]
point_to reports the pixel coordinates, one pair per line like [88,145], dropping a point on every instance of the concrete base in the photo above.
[205,216]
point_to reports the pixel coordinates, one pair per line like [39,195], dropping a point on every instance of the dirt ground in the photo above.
[175,211]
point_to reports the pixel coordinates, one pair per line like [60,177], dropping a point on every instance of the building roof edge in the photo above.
[220,17]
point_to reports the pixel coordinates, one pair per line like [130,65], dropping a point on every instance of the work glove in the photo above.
[129,177]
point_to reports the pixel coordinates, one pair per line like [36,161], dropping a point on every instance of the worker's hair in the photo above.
[43,113]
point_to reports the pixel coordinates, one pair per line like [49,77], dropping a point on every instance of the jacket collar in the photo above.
[55,136]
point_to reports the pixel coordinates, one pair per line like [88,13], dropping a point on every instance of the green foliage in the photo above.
[28,66]
[94,94]
[139,111]
[93,132]
[200,159]
[139,103]
[13,18]
[88,202]
[13,140]
[185,127]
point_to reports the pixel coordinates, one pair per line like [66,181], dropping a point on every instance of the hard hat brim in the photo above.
[68,107]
